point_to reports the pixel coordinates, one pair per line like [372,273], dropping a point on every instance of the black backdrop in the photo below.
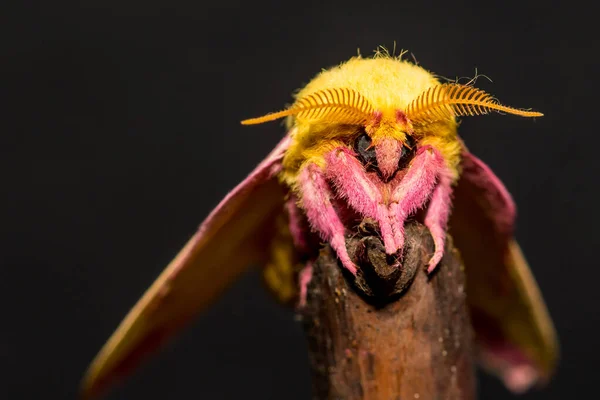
[120,131]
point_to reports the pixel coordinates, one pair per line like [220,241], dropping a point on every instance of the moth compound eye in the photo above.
[407,152]
[365,153]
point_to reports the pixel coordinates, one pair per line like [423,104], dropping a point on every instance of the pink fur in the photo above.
[376,120]
[388,152]
[305,278]
[436,218]
[415,188]
[359,190]
[352,182]
[297,228]
[316,202]
[389,203]
[388,229]
[401,117]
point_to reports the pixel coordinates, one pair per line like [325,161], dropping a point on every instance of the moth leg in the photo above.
[417,185]
[297,224]
[436,217]
[305,278]
[299,231]
[316,202]
[352,182]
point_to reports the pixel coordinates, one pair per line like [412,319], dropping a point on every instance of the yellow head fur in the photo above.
[388,84]
[384,97]
[369,93]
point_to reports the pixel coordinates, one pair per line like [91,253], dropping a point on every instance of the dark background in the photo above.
[120,131]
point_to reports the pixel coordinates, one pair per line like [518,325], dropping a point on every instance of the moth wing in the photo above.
[234,235]
[514,333]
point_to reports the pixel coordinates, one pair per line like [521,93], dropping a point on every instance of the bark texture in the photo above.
[393,332]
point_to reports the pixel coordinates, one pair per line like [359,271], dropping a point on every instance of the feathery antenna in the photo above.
[341,105]
[450,100]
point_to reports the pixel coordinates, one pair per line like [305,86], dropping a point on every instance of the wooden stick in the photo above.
[393,333]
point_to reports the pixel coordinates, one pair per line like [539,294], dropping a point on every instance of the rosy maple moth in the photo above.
[371,138]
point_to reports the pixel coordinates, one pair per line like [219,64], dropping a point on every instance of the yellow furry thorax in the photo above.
[389,84]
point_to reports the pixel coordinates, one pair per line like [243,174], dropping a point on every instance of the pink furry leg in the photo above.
[352,182]
[436,217]
[297,224]
[305,278]
[316,202]
[298,231]
[416,187]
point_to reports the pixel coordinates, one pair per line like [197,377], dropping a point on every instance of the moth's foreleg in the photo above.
[352,182]
[436,218]
[298,226]
[299,231]
[417,185]
[316,202]
[304,279]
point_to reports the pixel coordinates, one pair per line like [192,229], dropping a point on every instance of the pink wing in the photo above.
[514,332]
[234,235]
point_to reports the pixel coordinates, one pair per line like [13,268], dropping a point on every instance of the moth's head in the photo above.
[384,103]
[385,140]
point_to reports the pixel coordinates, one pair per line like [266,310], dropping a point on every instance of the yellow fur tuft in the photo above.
[388,84]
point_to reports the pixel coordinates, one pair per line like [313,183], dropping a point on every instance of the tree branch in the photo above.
[393,333]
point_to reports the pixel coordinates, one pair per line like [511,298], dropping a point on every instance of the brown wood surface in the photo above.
[393,333]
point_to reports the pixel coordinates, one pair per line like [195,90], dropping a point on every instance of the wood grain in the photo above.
[391,333]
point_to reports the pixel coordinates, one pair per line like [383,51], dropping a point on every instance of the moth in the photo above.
[371,138]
